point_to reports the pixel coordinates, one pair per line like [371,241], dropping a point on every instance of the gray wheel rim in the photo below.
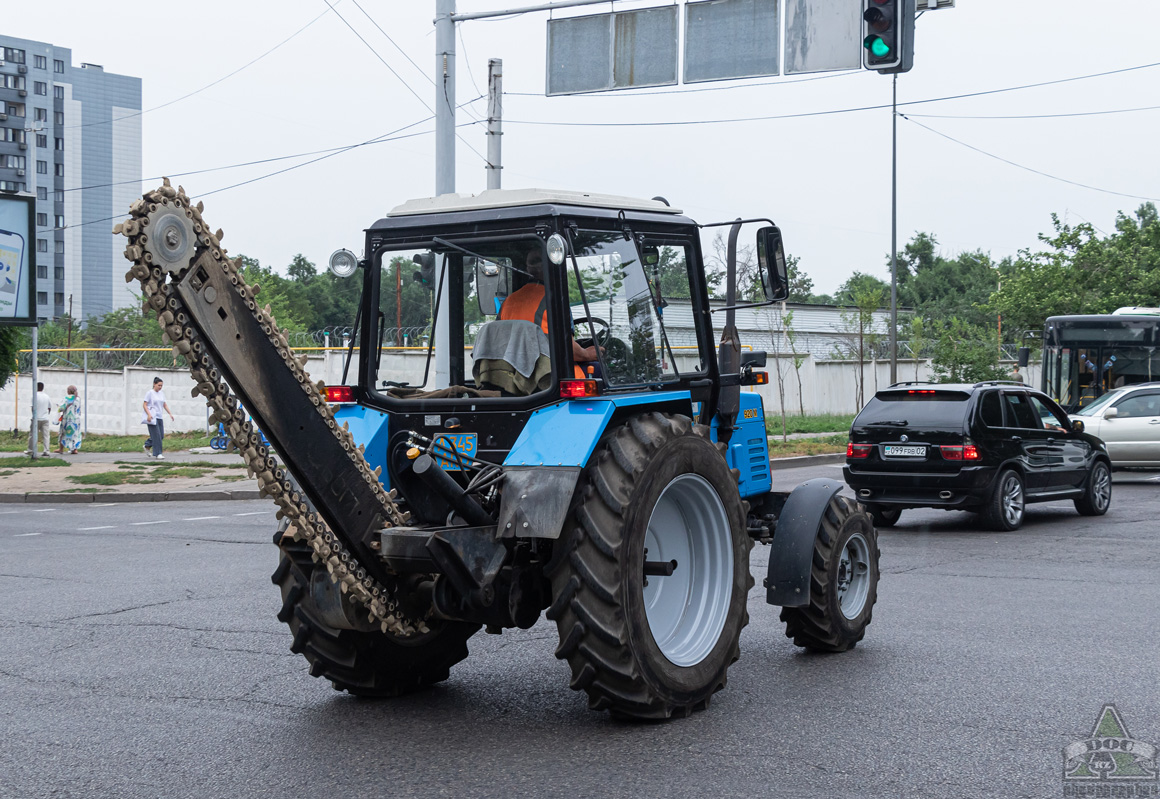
[1012,499]
[854,576]
[687,610]
[1101,487]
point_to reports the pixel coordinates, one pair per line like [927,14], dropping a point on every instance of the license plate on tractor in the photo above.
[898,451]
[464,450]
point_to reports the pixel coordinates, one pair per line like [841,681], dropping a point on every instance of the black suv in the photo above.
[989,448]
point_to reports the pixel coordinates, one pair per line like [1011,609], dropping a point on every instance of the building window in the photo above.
[58,170]
[59,272]
[40,62]
[58,196]
[12,161]
[59,143]
[11,185]
[41,139]
[41,114]
[42,167]
[16,110]
[12,135]
[58,117]
[42,192]
[42,298]
[42,220]
[60,220]
[41,272]
[13,55]
[58,66]
[59,247]
[42,245]
[58,92]
[12,81]
[40,87]
[59,298]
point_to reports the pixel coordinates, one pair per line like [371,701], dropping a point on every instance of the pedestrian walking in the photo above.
[153,405]
[38,428]
[70,423]
[1016,376]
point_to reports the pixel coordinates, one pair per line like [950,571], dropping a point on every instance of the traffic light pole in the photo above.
[894,233]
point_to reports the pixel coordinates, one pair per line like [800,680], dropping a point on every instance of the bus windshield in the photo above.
[1084,357]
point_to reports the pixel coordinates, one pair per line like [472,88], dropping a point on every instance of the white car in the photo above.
[1128,421]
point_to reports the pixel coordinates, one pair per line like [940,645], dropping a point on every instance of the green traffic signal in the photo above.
[877,46]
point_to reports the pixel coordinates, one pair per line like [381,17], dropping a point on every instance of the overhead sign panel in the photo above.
[731,39]
[624,50]
[822,35]
[17,278]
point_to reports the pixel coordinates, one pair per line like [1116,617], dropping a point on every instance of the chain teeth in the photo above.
[379,600]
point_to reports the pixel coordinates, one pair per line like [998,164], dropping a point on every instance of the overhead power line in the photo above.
[1038,116]
[208,85]
[828,112]
[1026,168]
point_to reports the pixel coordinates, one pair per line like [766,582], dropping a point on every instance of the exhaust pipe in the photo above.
[428,470]
[945,494]
[864,492]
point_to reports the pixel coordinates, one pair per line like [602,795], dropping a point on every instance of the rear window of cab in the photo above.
[914,408]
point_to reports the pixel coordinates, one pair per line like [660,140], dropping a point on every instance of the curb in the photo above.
[805,460]
[132,496]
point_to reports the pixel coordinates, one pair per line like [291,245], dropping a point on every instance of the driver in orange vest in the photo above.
[530,303]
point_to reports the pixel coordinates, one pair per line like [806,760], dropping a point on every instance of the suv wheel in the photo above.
[1004,510]
[884,517]
[1098,497]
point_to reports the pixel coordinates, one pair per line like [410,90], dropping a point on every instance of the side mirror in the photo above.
[1111,413]
[1024,357]
[1076,426]
[491,286]
[771,262]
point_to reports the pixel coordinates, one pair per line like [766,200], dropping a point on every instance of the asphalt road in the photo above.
[141,658]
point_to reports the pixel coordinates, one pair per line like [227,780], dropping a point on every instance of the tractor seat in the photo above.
[512,355]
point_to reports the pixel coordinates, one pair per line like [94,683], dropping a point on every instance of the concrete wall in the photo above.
[113,399]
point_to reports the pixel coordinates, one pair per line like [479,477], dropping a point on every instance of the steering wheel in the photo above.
[603,331]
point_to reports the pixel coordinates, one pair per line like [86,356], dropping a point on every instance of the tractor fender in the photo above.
[792,555]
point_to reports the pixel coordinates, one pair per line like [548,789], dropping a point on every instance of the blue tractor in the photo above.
[574,442]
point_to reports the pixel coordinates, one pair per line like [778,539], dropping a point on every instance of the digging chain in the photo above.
[157,256]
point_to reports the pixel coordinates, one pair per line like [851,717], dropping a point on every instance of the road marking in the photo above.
[22,535]
[107,504]
[105,527]
[254,513]
[41,510]
[200,518]
[160,521]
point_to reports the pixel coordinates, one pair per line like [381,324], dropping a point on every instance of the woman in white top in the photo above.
[153,405]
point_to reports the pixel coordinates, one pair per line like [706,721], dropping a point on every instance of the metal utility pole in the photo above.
[494,122]
[894,234]
[444,162]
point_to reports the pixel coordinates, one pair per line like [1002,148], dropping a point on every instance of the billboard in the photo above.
[621,50]
[17,276]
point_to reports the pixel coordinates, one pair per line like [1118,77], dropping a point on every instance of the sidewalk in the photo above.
[223,478]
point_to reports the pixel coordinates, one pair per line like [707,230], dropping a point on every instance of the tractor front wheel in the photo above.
[650,576]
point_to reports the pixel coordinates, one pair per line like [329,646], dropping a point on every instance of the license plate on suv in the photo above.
[901,451]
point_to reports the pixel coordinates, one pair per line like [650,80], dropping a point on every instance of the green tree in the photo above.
[10,344]
[965,353]
[861,287]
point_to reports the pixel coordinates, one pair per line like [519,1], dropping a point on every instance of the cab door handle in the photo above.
[1016,438]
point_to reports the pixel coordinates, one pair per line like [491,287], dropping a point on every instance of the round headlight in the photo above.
[343,263]
[556,249]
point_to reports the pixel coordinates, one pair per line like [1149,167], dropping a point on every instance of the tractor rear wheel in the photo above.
[843,582]
[651,573]
[365,661]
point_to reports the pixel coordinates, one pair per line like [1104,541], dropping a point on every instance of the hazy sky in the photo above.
[824,179]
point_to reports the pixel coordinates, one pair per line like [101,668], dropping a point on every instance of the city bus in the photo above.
[1084,356]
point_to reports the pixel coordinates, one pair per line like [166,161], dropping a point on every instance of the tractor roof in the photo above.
[515,198]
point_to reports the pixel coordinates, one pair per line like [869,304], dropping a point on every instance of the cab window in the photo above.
[1020,413]
[1048,418]
[1138,405]
[991,410]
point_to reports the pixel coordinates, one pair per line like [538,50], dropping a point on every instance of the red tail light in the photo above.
[340,394]
[957,452]
[920,391]
[858,450]
[578,389]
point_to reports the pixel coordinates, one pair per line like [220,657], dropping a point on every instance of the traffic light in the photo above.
[888,35]
[426,273]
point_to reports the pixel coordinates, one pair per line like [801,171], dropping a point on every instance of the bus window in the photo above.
[1068,394]
[1125,367]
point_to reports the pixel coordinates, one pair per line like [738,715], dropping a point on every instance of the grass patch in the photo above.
[14,441]
[229,478]
[7,473]
[178,471]
[816,423]
[78,491]
[211,465]
[807,446]
[26,462]
[111,478]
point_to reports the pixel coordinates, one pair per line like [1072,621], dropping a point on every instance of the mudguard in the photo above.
[788,581]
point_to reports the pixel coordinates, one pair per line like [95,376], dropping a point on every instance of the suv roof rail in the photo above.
[1002,383]
[912,383]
